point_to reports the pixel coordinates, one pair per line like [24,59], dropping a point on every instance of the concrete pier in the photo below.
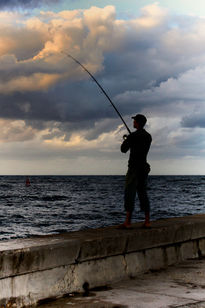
[38,268]
[179,286]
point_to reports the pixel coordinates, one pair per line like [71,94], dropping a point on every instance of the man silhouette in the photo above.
[138,143]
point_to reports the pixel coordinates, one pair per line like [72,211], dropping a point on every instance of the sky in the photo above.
[149,56]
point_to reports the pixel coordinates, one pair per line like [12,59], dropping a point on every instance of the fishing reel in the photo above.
[124,137]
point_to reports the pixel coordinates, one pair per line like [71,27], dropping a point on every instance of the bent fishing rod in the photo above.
[95,80]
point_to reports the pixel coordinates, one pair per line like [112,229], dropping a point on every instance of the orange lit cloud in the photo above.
[39,44]
[34,82]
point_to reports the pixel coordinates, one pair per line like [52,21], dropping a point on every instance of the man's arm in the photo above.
[125,146]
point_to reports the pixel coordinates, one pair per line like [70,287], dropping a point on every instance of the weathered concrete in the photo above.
[181,285]
[51,266]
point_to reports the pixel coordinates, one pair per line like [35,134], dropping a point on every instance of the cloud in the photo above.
[152,64]
[25,3]
[194,120]
[15,131]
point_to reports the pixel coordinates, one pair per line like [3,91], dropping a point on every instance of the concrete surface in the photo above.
[182,285]
[38,268]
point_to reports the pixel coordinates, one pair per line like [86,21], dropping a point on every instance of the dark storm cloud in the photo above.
[73,103]
[25,3]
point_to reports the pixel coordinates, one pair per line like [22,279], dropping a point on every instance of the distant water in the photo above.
[56,204]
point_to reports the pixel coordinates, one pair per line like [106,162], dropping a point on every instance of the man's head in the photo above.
[139,121]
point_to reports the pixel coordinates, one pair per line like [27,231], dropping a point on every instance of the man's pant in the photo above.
[136,182]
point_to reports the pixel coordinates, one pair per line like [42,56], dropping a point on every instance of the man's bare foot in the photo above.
[146,225]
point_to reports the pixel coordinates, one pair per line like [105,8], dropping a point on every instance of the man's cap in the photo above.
[140,118]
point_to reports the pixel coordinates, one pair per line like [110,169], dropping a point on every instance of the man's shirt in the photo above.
[138,143]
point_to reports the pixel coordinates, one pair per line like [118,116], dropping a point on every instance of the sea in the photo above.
[58,204]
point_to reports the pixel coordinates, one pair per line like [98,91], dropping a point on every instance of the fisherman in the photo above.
[138,143]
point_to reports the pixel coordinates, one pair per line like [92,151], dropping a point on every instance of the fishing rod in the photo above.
[95,80]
